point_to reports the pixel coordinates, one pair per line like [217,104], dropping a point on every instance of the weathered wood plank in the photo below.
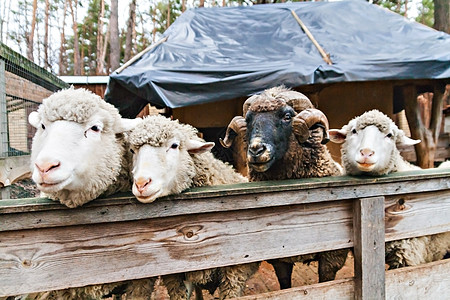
[410,215]
[124,207]
[368,245]
[428,281]
[342,289]
[39,259]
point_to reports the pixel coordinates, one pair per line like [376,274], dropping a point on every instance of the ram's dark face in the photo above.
[268,135]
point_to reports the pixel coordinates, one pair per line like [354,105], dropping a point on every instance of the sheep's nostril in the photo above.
[141,183]
[257,150]
[366,152]
[47,167]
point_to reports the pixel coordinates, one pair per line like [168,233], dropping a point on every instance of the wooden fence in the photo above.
[45,246]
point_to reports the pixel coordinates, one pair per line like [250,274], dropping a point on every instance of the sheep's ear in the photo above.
[197,147]
[34,119]
[126,124]
[337,135]
[404,140]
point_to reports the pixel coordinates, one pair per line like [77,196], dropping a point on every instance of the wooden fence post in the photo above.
[3,113]
[369,237]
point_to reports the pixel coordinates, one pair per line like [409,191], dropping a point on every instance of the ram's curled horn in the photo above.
[307,118]
[296,100]
[247,104]
[236,126]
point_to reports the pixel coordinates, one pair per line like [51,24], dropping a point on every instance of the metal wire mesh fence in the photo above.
[20,132]
[23,85]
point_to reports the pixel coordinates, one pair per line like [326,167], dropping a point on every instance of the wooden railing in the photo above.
[45,246]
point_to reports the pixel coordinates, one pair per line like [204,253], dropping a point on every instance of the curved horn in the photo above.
[247,104]
[236,126]
[296,100]
[306,119]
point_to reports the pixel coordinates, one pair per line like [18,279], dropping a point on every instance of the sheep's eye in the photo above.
[132,151]
[354,131]
[174,146]
[95,128]
[43,126]
[389,135]
[287,117]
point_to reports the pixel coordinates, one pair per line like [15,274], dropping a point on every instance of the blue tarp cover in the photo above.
[214,54]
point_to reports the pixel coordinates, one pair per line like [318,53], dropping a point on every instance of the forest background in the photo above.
[95,37]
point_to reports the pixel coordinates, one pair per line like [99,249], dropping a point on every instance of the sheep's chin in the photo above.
[261,167]
[365,167]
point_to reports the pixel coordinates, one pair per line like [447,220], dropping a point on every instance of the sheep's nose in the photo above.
[256,150]
[46,167]
[366,152]
[141,183]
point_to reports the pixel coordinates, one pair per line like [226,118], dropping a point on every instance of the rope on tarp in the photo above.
[325,56]
[137,56]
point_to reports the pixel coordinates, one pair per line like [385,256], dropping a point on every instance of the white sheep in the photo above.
[79,153]
[168,158]
[369,147]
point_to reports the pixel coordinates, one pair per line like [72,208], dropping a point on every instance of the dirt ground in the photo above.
[265,279]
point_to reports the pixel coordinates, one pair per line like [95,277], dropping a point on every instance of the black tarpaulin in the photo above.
[214,54]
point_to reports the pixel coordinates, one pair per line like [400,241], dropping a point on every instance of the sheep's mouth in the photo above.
[365,166]
[52,186]
[148,198]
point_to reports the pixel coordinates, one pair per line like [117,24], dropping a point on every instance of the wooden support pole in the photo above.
[5,192]
[368,230]
[426,149]
[3,113]
[436,110]
[325,55]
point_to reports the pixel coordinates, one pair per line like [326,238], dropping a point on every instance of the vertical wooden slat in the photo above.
[368,228]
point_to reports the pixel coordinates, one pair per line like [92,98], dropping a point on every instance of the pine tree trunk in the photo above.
[62,48]
[100,39]
[442,15]
[131,25]
[114,36]
[47,15]
[154,24]
[168,15]
[76,46]
[30,38]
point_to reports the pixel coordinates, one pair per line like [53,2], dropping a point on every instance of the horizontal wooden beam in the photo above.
[428,281]
[124,207]
[38,260]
